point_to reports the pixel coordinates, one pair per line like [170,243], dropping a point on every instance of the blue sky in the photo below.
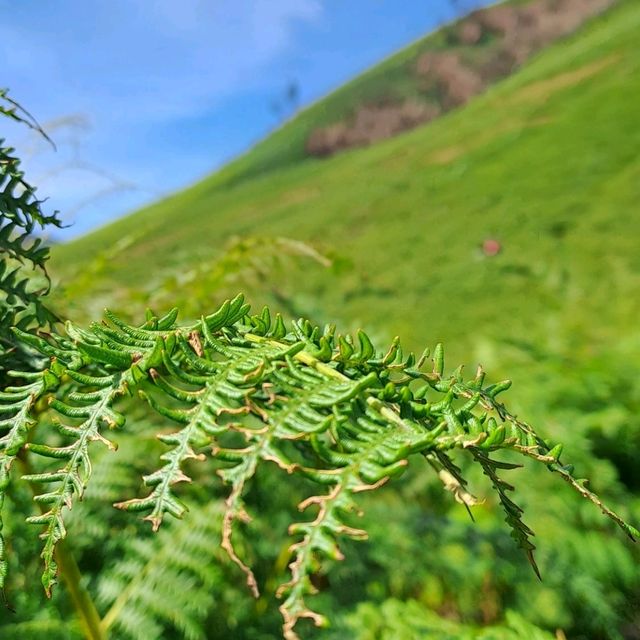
[144,97]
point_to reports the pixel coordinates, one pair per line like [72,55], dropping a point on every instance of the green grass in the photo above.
[546,162]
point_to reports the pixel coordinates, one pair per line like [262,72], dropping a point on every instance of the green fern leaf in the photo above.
[329,408]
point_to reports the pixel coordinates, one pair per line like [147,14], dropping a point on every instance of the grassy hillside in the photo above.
[546,163]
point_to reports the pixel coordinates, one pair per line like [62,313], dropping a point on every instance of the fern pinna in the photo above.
[245,389]
[23,275]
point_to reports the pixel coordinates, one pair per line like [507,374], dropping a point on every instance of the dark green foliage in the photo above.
[45,630]
[167,580]
[396,620]
[23,276]
[23,282]
[248,389]
[591,580]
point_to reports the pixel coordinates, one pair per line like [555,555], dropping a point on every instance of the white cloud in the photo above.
[135,68]
[141,62]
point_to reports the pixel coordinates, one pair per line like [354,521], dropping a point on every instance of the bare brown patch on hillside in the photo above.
[457,82]
[369,124]
[509,36]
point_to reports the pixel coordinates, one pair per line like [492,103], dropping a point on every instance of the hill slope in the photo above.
[546,163]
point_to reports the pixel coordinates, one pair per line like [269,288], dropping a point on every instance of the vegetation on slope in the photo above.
[546,164]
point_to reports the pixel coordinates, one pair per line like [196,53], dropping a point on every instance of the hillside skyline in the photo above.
[141,105]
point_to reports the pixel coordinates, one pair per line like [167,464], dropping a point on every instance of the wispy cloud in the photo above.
[171,89]
[136,69]
[144,62]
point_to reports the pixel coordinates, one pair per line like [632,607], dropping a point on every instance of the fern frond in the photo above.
[452,479]
[325,407]
[368,453]
[23,275]
[94,408]
[86,410]
[16,403]
[224,386]
[520,532]
[166,581]
[410,619]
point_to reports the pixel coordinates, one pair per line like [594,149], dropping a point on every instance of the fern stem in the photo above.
[82,601]
[302,356]
[306,358]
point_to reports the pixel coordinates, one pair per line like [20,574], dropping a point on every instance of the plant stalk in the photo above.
[82,601]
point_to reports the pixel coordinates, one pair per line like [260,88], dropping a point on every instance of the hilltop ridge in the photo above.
[545,163]
[475,52]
